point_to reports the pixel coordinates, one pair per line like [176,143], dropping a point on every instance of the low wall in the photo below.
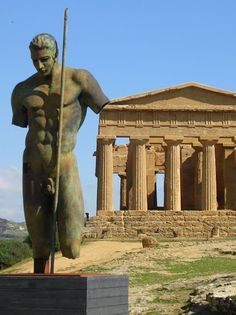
[221,223]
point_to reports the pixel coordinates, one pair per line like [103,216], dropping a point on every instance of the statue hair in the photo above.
[44,41]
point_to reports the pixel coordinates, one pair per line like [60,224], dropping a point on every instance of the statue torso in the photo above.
[42,102]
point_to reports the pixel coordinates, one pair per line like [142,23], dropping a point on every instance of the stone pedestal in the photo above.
[209,192]
[173,182]
[139,174]
[105,199]
[63,294]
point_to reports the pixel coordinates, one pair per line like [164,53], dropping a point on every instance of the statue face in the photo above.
[43,61]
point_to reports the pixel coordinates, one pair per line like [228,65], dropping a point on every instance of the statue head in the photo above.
[44,53]
[44,41]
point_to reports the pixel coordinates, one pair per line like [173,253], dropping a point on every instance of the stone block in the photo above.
[149,242]
[135,213]
[177,232]
[105,213]
[63,294]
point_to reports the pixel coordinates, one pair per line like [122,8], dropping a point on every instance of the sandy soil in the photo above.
[92,253]
[103,251]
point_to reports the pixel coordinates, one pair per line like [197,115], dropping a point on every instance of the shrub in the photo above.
[12,251]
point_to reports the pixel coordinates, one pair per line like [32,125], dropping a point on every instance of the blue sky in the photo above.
[130,46]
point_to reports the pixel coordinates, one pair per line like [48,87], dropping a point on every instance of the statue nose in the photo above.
[40,65]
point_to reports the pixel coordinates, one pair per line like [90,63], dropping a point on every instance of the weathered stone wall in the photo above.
[162,223]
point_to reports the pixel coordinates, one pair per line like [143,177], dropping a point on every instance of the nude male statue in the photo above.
[35,103]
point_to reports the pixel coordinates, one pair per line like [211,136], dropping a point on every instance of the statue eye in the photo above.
[44,59]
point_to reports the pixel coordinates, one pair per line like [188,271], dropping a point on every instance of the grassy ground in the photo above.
[161,283]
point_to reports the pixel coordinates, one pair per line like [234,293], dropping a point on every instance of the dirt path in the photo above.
[92,253]
[102,251]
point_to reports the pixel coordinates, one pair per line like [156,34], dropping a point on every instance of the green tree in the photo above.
[13,251]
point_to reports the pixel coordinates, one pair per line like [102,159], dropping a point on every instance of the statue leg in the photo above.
[38,216]
[41,265]
[70,208]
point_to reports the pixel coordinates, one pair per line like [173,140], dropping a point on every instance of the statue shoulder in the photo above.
[22,87]
[20,117]
[91,93]
[81,76]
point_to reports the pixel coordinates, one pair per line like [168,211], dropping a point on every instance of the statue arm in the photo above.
[19,112]
[91,92]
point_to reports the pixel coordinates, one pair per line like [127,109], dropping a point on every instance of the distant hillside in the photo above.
[12,230]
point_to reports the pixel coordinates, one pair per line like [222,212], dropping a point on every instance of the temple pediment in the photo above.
[189,96]
[190,109]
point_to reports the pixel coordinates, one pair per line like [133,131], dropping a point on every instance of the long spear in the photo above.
[59,136]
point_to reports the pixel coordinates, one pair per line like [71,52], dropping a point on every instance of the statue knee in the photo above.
[71,249]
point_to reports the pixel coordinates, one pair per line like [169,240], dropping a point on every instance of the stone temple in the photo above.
[188,134]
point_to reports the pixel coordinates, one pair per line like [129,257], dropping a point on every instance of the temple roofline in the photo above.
[173,88]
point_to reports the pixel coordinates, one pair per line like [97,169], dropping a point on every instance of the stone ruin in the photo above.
[214,296]
[188,134]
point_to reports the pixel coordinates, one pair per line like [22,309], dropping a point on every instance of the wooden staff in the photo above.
[59,136]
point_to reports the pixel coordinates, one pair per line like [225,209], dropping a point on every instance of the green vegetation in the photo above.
[174,270]
[95,269]
[170,270]
[205,265]
[12,251]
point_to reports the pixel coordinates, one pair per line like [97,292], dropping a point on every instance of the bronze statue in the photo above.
[35,103]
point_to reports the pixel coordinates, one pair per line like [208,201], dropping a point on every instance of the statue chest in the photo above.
[43,102]
[48,97]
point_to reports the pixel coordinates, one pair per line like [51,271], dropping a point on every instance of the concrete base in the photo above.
[68,294]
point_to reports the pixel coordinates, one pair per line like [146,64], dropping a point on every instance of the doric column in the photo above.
[151,191]
[229,168]
[105,198]
[139,174]
[129,176]
[209,191]
[198,178]
[151,177]
[172,176]
[123,191]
